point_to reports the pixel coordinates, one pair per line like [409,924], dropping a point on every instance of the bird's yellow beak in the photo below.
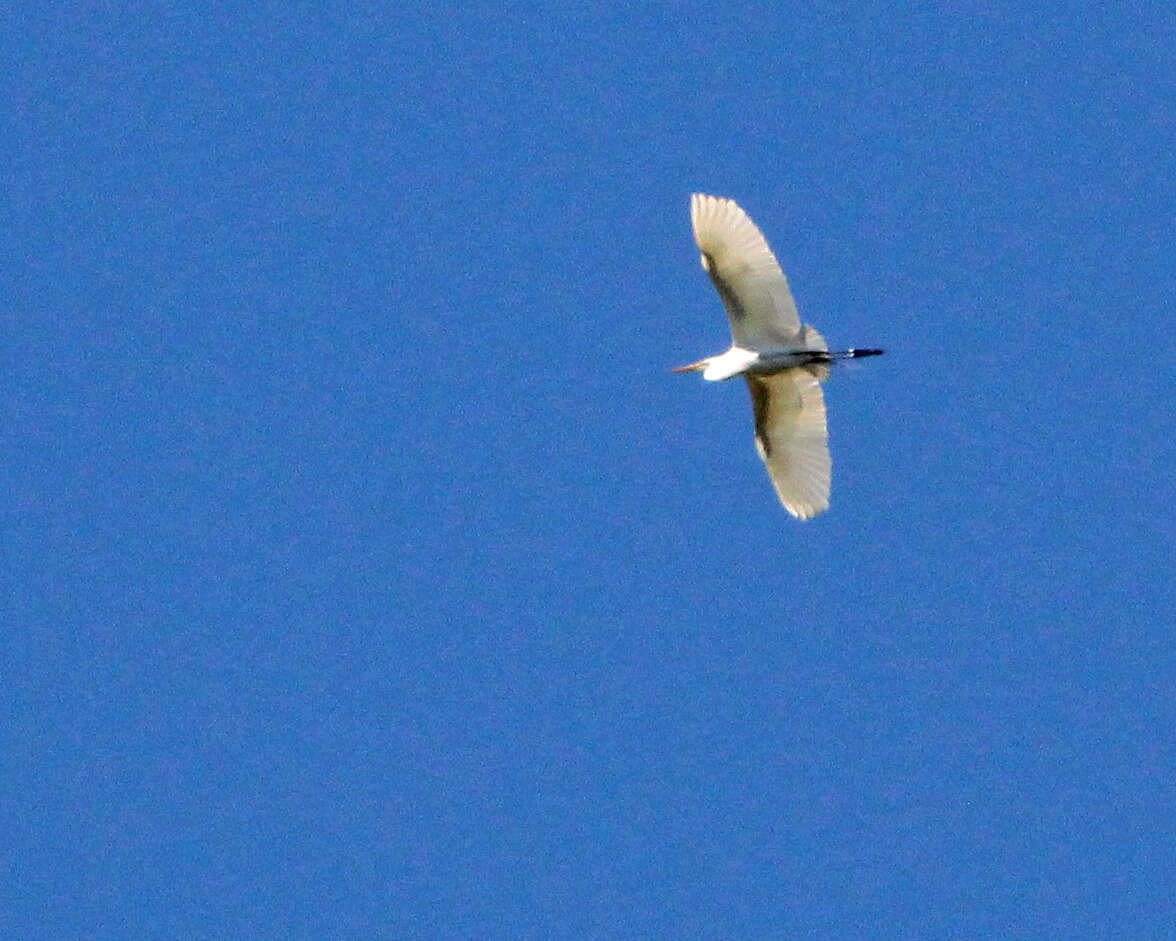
[693,367]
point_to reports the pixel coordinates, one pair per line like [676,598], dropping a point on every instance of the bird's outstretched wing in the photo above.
[745,273]
[791,437]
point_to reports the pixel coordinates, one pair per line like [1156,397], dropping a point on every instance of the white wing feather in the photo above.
[792,438]
[746,274]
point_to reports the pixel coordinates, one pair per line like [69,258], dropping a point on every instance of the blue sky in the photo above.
[367,573]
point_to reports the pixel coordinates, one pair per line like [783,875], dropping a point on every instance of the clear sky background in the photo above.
[367,574]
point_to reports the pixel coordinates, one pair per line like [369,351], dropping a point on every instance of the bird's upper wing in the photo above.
[791,437]
[745,273]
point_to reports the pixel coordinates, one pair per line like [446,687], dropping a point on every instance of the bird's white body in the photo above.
[783,360]
[739,362]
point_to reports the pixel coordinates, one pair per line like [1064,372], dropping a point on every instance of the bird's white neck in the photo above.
[732,363]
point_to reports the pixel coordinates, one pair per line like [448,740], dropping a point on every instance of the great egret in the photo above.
[783,361]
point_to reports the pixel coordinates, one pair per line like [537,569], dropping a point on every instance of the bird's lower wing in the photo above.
[792,438]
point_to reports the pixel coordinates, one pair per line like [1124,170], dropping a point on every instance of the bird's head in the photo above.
[717,368]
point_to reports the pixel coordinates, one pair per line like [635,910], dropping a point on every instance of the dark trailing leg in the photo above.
[828,356]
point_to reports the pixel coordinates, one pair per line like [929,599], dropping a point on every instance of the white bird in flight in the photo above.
[783,361]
